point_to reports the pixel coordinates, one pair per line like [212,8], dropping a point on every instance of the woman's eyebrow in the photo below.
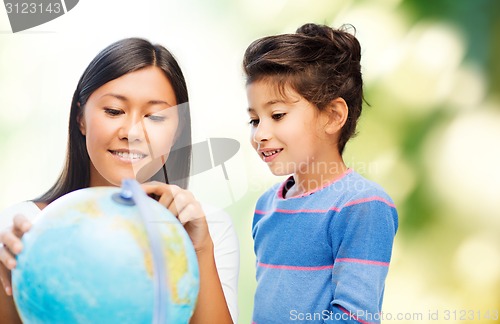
[117,96]
[159,102]
[150,102]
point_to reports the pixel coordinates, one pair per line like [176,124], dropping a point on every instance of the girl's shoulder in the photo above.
[359,186]
[26,208]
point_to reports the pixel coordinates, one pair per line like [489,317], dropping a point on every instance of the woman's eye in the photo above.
[278,116]
[155,118]
[254,122]
[112,111]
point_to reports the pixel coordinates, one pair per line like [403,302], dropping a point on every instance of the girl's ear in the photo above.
[81,121]
[337,112]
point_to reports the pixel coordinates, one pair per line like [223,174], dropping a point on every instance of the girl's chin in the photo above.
[279,172]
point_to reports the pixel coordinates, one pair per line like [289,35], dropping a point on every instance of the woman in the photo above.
[130,119]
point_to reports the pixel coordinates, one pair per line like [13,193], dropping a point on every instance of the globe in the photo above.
[88,259]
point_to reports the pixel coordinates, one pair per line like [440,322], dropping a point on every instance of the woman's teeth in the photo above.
[130,156]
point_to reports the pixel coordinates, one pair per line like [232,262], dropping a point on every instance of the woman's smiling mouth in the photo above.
[128,156]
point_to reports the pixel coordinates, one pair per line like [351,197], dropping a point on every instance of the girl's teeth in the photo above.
[270,153]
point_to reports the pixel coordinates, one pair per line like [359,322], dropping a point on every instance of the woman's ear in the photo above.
[80,119]
[337,113]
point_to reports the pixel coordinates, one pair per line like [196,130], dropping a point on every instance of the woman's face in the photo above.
[130,125]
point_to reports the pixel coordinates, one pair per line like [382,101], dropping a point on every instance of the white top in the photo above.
[220,226]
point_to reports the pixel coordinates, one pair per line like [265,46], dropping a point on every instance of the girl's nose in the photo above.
[261,133]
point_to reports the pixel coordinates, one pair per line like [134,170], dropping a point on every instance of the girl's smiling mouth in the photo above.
[269,154]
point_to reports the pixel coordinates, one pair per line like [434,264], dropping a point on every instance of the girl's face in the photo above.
[130,125]
[286,130]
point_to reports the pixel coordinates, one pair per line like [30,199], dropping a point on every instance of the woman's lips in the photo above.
[128,156]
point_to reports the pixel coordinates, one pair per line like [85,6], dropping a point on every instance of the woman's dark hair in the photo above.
[318,62]
[122,57]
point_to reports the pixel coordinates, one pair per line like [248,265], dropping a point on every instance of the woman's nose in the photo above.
[132,130]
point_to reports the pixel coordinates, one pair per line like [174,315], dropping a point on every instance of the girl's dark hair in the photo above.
[122,57]
[318,62]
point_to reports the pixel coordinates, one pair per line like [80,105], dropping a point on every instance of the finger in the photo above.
[190,213]
[181,200]
[155,188]
[7,259]
[168,201]
[21,225]
[166,194]
[11,242]
[5,279]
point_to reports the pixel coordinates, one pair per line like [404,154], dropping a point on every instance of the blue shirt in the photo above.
[323,256]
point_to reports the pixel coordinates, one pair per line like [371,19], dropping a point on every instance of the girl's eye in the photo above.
[112,111]
[278,116]
[254,122]
[155,118]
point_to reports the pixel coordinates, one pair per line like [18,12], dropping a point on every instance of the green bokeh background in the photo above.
[430,137]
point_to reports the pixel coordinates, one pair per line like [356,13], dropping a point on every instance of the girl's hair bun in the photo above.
[341,39]
[315,30]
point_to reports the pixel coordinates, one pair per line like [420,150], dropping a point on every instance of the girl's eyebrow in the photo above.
[268,104]
[123,98]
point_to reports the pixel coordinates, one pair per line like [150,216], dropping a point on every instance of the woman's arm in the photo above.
[10,242]
[8,312]
[211,306]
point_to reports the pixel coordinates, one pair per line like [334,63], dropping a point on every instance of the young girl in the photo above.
[130,118]
[323,238]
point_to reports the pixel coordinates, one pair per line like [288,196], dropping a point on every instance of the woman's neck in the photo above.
[41,205]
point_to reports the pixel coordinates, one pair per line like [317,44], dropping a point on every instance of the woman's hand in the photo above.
[11,245]
[211,306]
[186,208]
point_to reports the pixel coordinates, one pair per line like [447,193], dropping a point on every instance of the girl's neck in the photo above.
[318,176]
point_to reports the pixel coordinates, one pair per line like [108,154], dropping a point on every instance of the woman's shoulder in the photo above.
[26,208]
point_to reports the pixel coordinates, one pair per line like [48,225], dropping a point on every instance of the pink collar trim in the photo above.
[280,190]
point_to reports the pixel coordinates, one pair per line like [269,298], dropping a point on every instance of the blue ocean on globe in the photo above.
[87,259]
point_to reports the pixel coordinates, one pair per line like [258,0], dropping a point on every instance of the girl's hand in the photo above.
[186,208]
[10,240]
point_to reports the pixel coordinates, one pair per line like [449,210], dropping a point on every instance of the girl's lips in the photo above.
[270,154]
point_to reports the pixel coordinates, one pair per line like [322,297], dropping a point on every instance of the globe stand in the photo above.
[132,194]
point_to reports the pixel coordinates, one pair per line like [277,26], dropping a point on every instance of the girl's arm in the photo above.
[362,260]
[211,306]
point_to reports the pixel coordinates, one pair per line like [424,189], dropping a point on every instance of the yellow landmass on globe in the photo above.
[90,208]
[177,263]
